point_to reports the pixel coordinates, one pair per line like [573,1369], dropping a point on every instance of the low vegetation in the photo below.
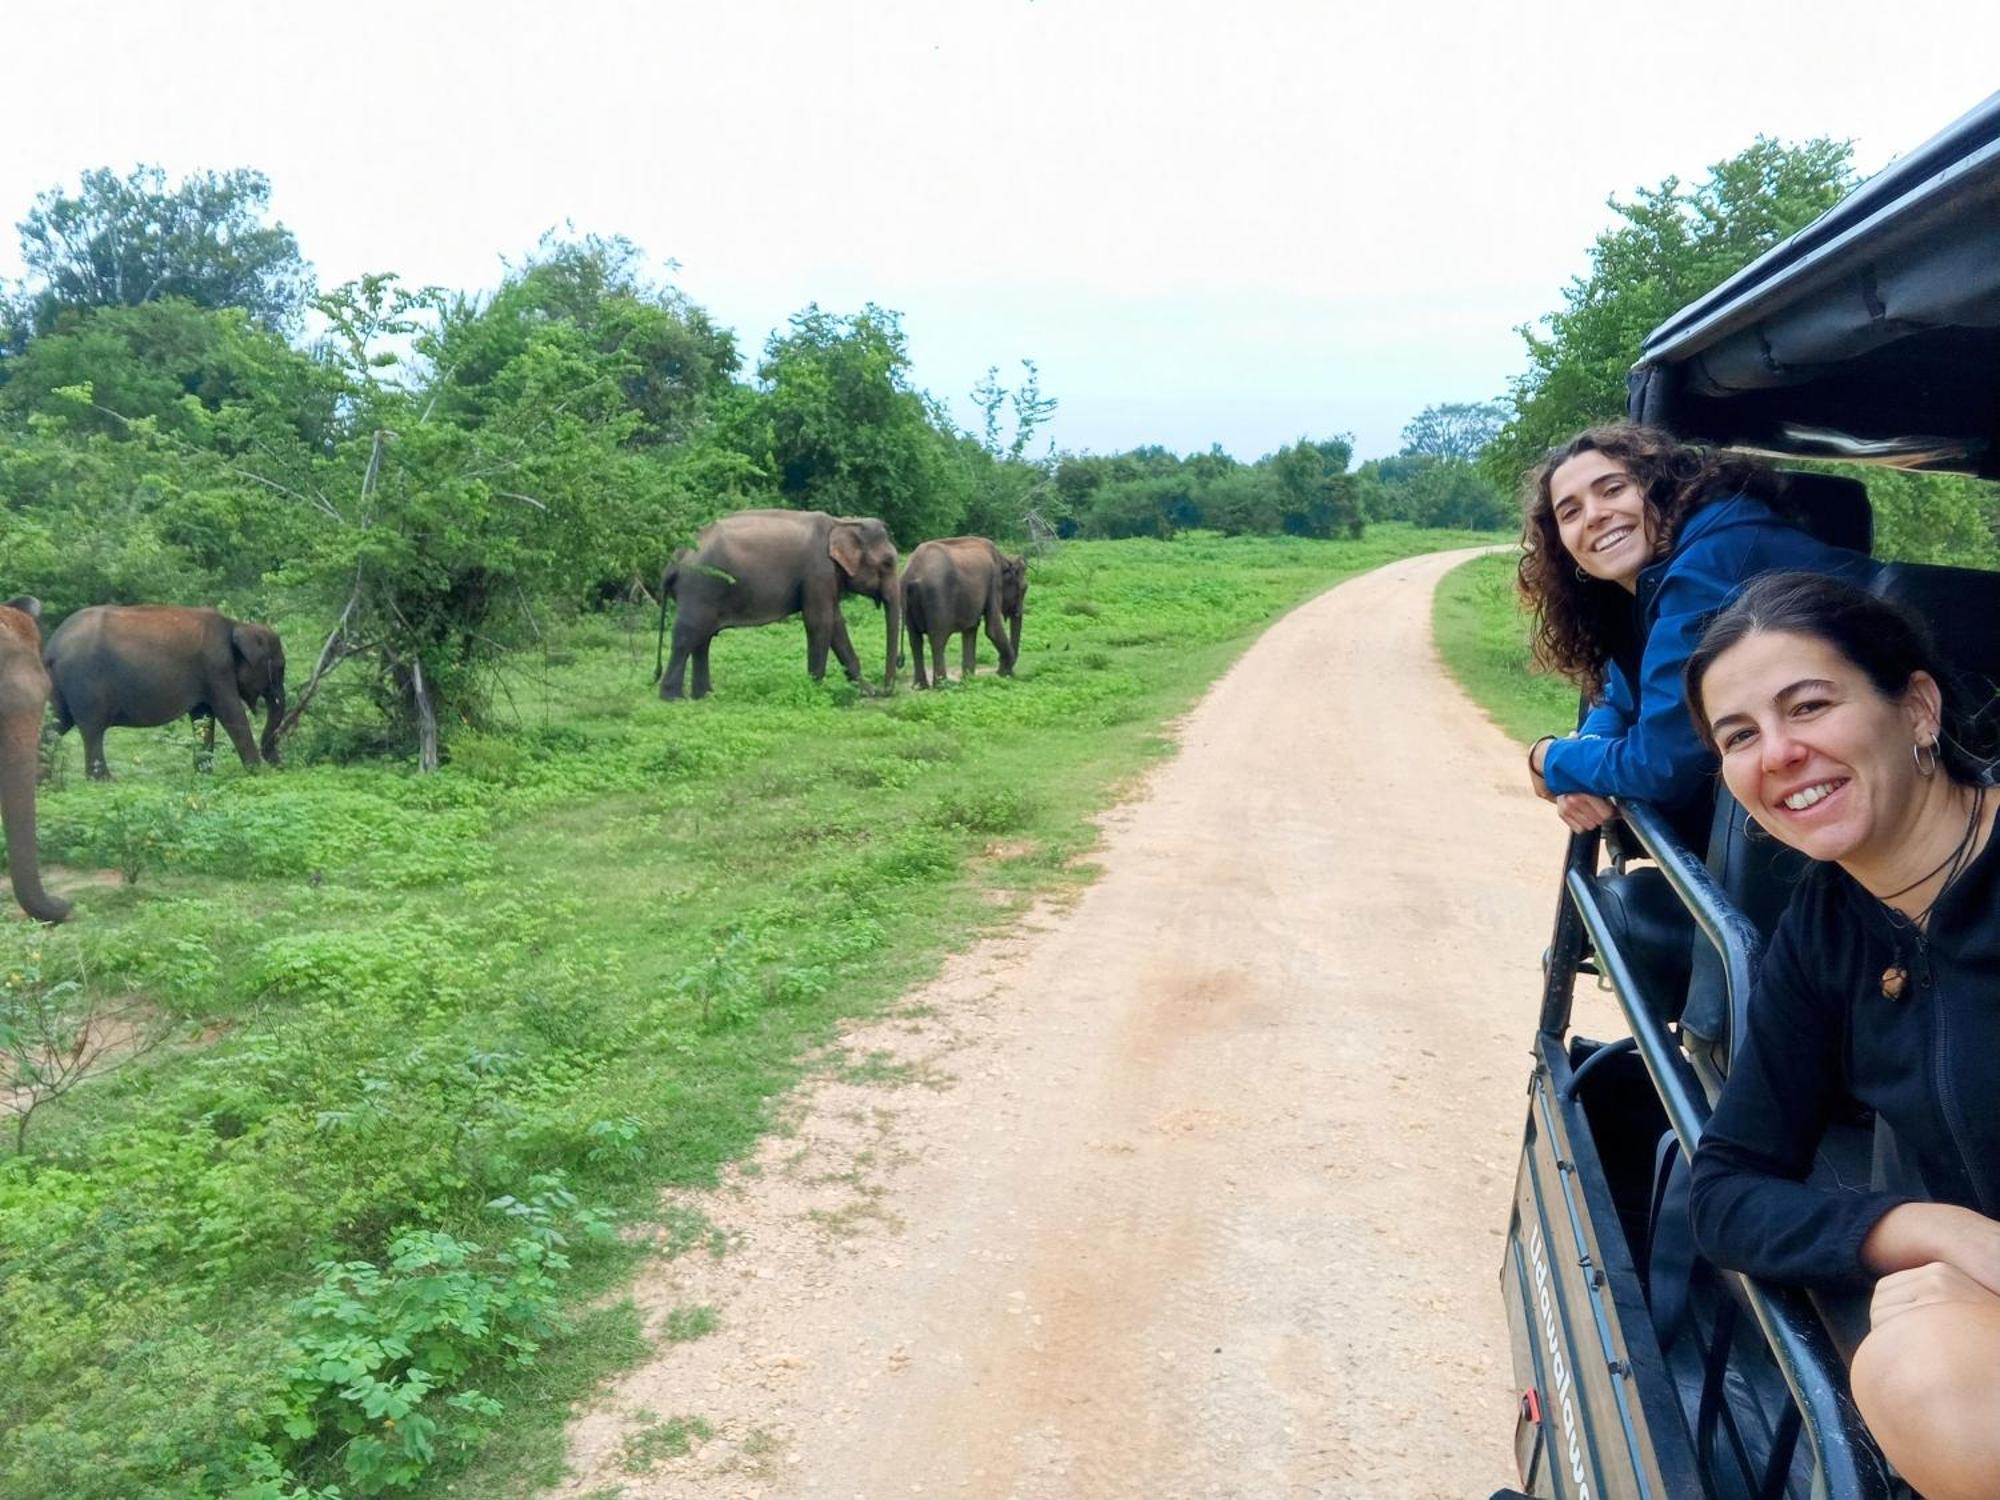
[1482,635]
[424,1049]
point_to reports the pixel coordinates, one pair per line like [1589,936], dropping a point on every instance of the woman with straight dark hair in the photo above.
[1630,541]
[1839,734]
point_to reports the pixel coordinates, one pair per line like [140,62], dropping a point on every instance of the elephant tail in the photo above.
[667,582]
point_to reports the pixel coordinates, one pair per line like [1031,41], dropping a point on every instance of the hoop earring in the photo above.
[1581,576]
[1917,754]
[1755,831]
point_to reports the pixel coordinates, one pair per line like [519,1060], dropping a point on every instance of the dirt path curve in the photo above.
[1194,1188]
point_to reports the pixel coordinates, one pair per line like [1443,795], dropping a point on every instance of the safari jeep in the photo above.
[1872,336]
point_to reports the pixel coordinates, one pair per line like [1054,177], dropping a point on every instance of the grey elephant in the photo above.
[758,566]
[138,665]
[953,586]
[24,696]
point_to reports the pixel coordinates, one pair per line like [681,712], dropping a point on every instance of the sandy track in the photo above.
[1194,1188]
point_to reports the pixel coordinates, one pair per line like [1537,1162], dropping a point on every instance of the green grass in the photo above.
[1483,637]
[503,1006]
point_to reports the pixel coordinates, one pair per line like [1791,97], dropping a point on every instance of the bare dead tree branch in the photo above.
[427,725]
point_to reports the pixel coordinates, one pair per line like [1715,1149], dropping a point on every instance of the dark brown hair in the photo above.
[1578,620]
[1883,641]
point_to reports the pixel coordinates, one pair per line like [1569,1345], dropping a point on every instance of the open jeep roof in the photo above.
[1873,334]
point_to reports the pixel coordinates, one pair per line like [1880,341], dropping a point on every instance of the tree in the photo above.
[1455,430]
[1672,244]
[453,511]
[841,429]
[675,359]
[1316,494]
[1003,483]
[126,241]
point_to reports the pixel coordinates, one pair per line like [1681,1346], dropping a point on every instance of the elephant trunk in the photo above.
[1014,635]
[892,606]
[20,754]
[276,698]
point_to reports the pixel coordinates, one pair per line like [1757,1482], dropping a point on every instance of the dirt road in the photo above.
[1192,1189]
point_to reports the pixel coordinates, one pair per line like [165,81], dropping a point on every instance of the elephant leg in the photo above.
[938,638]
[818,638]
[916,648]
[204,755]
[843,648]
[237,723]
[968,655]
[93,753]
[684,642]
[701,668]
[996,632]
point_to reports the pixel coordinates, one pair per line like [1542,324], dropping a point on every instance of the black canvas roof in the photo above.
[1871,334]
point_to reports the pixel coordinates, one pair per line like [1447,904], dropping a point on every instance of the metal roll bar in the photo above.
[1851,1467]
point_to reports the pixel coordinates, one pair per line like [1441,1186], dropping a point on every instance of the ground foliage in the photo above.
[430,1036]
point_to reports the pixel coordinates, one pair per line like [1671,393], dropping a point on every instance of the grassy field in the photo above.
[1483,637]
[402,1055]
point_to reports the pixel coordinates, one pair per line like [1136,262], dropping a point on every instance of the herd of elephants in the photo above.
[141,665]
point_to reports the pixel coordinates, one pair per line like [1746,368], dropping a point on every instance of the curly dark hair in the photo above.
[1579,621]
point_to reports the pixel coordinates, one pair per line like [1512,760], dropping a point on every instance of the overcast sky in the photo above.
[1237,221]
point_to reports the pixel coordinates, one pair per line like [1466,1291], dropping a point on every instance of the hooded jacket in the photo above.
[1640,741]
[1827,1031]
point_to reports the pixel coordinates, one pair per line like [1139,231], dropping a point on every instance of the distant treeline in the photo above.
[428,477]
[1305,489]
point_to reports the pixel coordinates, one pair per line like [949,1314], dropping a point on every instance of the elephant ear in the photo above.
[246,641]
[843,545]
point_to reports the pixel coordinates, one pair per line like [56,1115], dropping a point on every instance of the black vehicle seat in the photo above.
[1962,608]
[1758,874]
[1831,507]
[1654,934]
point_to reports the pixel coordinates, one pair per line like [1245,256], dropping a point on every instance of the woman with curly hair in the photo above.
[1630,542]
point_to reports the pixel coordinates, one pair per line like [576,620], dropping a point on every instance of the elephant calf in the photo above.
[139,665]
[24,695]
[950,587]
[757,566]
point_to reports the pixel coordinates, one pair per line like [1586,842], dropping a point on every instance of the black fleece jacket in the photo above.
[1823,1033]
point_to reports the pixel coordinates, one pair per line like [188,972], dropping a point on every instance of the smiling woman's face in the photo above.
[1602,516]
[1813,751]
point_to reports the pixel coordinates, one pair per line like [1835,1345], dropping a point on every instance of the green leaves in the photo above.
[1674,242]
[375,1368]
[123,241]
[841,429]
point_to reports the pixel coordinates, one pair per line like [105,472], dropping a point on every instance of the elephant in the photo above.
[24,694]
[137,665]
[951,586]
[758,566]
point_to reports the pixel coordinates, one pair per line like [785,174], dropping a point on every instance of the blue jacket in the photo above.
[1643,744]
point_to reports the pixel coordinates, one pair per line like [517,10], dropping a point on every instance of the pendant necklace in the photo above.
[1896,978]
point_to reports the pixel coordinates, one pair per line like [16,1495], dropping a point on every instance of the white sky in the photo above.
[1237,221]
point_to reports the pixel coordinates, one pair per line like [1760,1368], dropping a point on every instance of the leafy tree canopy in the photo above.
[842,430]
[667,356]
[126,241]
[1672,243]
[1455,430]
